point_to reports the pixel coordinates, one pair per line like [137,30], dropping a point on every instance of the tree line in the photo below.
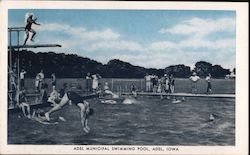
[74,66]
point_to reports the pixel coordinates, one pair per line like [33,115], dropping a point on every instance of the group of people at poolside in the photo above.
[194,78]
[92,82]
[160,84]
[167,83]
[58,100]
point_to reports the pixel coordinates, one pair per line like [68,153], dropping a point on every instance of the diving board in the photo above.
[184,95]
[34,46]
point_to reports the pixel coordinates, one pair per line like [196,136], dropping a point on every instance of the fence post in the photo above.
[112,88]
[141,84]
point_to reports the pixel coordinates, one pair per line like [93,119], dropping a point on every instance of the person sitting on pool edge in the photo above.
[76,99]
[22,102]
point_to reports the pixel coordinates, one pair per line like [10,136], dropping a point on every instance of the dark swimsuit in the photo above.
[74,97]
[29,23]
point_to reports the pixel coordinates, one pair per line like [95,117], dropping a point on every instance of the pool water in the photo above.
[151,121]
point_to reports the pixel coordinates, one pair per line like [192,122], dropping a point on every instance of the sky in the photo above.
[148,38]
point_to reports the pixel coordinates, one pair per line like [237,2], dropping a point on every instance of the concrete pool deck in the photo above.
[184,95]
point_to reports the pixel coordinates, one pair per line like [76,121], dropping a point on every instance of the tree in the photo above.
[202,68]
[120,69]
[219,72]
[180,71]
[63,65]
[74,66]
[234,71]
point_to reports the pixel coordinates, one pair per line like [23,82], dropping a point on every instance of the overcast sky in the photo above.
[147,38]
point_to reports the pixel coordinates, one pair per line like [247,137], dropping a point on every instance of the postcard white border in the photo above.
[242,63]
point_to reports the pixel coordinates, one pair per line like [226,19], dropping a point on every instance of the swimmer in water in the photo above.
[85,110]
[178,100]
[107,91]
[211,117]
[108,101]
[175,101]
[129,100]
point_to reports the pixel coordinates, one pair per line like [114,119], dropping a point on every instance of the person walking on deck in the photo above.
[209,85]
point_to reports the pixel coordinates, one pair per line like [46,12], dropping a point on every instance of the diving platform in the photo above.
[34,46]
[184,95]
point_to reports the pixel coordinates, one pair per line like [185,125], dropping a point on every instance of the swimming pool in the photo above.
[152,121]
